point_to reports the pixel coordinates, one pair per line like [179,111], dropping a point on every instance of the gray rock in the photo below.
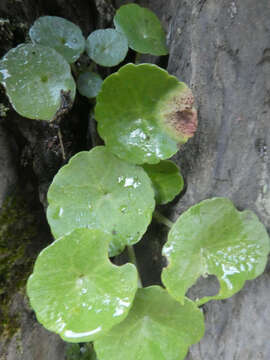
[221,48]
[31,341]
[8,171]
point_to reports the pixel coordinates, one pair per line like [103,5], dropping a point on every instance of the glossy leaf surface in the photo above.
[142,29]
[107,47]
[166,179]
[98,190]
[60,34]
[76,291]
[156,328]
[35,78]
[89,84]
[143,113]
[212,237]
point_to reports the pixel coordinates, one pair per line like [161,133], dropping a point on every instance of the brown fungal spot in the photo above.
[184,122]
[183,102]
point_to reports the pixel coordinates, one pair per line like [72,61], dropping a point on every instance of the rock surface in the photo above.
[221,49]
[8,171]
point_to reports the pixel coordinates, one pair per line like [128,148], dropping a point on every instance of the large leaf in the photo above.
[156,328]
[76,291]
[59,34]
[143,113]
[107,47]
[212,237]
[36,79]
[166,179]
[142,29]
[98,190]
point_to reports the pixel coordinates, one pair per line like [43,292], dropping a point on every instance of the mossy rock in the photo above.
[18,228]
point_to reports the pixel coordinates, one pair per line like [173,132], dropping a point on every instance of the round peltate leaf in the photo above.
[156,328]
[89,84]
[76,291]
[98,190]
[60,34]
[107,47]
[143,113]
[214,238]
[166,179]
[142,29]
[36,79]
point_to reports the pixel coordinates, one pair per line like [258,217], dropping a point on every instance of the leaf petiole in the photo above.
[133,260]
[162,219]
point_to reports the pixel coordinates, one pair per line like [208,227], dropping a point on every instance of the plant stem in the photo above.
[61,143]
[132,258]
[74,70]
[92,66]
[137,58]
[162,219]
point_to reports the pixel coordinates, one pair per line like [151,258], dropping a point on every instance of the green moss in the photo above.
[3,110]
[17,230]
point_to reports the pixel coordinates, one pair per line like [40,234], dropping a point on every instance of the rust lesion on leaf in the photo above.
[184,122]
[182,117]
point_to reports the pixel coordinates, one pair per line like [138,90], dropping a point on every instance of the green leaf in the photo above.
[76,291]
[35,78]
[214,238]
[107,47]
[156,328]
[143,113]
[98,190]
[89,84]
[166,179]
[60,34]
[142,29]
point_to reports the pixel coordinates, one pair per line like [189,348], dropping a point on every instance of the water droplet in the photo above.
[123,209]
[73,335]
[120,179]
[5,74]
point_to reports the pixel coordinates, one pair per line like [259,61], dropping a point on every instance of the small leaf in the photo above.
[143,113]
[166,179]
[89,84]
[60,34]
[98,190]
[142,29]
[214,238]
[35,78]
[76,291]
[107,47]
[156,328]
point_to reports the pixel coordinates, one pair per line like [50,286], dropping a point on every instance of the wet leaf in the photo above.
[214,238]
[107,47]
[156,328]
[60,34]
[89,84]
[143,113]
[166,179]
[142,29]
[98,190]
[76,291]
[36,78]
